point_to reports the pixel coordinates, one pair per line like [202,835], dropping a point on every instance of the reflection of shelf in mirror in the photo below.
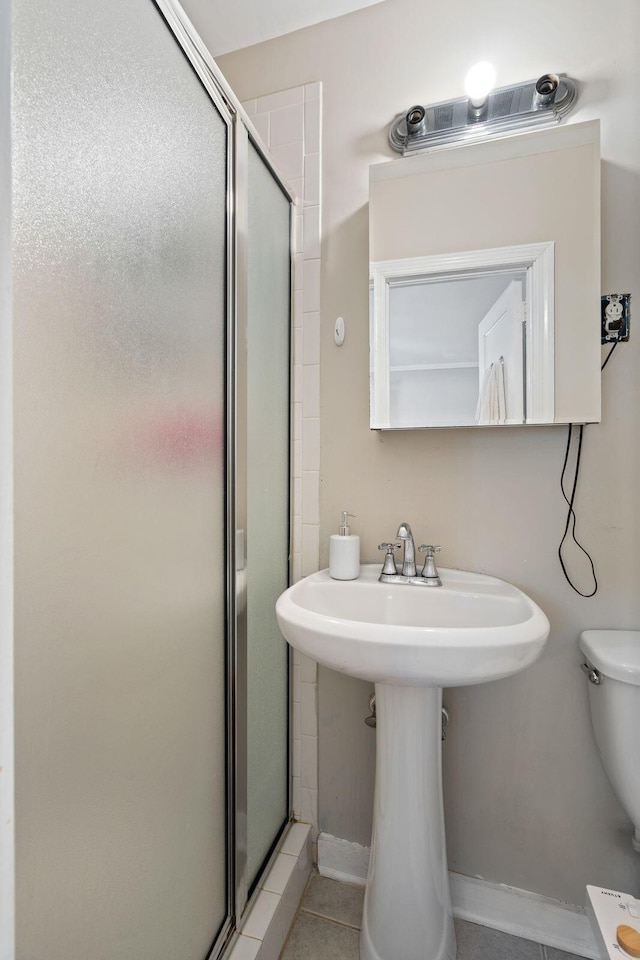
[413,367]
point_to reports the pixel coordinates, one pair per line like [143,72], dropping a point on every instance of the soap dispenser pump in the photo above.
[344,552]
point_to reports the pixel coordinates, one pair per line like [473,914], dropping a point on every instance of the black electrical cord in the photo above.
[608,356]
[571,516]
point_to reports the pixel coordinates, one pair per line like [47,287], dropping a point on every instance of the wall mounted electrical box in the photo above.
[615,313]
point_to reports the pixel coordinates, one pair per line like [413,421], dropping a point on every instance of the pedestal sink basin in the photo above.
[411,641]
[471,629]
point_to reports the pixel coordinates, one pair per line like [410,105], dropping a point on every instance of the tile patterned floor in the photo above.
[327,927]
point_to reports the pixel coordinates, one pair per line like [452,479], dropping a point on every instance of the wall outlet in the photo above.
[615,313]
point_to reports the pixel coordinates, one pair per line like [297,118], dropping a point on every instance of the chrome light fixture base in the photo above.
[535,103]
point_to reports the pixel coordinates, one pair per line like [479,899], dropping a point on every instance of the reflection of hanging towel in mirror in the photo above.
[492,402]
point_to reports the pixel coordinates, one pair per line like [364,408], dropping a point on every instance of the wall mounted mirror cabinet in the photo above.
[485,283]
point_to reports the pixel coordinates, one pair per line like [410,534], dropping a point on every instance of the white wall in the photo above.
[527,802]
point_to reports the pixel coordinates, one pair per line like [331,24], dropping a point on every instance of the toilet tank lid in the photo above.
[615,653]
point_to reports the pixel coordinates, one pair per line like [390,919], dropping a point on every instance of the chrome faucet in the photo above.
[409,559]
[408,573]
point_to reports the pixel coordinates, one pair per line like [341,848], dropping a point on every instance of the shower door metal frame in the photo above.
[240,507]
[238,136]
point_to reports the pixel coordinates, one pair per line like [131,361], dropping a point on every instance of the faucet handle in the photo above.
[389,567]
[429,549]
[429,571]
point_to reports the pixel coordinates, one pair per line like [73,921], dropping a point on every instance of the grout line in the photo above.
[323,916]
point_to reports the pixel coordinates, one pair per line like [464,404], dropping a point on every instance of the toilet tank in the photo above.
[615,711]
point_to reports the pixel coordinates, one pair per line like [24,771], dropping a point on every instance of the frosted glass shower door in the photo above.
[268,366]
[120,255]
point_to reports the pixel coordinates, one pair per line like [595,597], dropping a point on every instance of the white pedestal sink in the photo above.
[411,641]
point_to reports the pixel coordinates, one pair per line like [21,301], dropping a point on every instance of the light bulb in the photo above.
[479,82]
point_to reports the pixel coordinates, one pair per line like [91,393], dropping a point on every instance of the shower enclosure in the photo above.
[151,304]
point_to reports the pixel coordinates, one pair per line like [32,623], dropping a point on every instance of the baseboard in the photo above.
[523,914]
[342,859]
[518,912]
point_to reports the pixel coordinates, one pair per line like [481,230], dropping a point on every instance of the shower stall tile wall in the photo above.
[289,123]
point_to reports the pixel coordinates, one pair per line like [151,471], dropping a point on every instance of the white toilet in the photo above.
[613,668]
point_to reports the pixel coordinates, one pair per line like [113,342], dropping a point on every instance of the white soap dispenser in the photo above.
[344,552]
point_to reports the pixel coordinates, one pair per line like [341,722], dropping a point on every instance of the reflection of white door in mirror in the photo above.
[438,323]
[501,347]
[448,226]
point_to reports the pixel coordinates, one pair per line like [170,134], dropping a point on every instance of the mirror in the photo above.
[485,285]
[464,339]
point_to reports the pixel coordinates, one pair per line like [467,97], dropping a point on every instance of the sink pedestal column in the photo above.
[407,908]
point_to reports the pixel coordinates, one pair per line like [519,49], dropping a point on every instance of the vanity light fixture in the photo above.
[484,113]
